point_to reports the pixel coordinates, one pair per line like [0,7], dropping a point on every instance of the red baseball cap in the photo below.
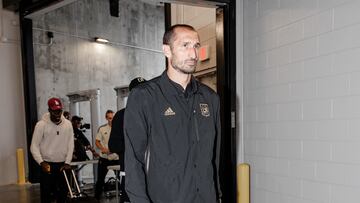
[54,104]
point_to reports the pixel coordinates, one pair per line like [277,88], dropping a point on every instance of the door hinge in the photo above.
[233,119]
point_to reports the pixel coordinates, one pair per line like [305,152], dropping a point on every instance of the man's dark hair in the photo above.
[76,118]
[107,112]
[169,35]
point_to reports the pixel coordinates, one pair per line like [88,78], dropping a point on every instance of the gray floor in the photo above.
[30,193]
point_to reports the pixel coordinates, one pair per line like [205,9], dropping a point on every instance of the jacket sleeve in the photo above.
[218,148]
[70,144]
[83,140]
[116,140]
[135,129]
[35,142]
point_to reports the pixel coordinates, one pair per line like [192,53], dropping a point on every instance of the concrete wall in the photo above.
[74,62]
[301,88]
[12,124]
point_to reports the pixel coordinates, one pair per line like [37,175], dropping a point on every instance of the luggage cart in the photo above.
[74,192]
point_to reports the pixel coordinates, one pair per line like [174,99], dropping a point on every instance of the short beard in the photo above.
[183,70]
[55,119]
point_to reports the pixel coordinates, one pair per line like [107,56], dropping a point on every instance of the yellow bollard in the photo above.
[243,183]
[20,165]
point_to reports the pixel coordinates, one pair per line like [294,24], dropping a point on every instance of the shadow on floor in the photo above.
[30,193]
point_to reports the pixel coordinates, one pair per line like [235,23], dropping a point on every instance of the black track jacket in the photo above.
[172,141]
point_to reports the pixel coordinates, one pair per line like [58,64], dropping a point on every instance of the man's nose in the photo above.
[193,53]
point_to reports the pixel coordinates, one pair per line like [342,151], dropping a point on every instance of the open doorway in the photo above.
[222,78]
[215,22]
[203,19]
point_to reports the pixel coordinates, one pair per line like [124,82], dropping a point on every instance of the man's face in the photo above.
[55,115]
[109,117]
[184,50]
[76,124]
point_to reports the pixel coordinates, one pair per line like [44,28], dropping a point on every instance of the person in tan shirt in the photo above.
[106,158]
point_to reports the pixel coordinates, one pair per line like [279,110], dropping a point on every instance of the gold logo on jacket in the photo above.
[205,110]
[169,112]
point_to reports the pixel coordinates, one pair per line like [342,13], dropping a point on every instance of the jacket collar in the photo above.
[173,88]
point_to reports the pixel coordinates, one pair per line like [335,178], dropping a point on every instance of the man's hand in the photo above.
[105,150]
[45,167]
[95,155]
[65,167]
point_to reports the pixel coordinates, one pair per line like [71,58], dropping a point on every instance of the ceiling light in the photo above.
[101,40]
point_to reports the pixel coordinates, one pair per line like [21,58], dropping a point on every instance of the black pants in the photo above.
[102,171]
[53,184]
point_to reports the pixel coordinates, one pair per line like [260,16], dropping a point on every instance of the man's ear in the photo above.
[167,50]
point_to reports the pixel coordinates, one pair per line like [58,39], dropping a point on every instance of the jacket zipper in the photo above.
[196,127]
[147,159]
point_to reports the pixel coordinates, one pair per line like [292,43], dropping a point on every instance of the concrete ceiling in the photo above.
[12,5]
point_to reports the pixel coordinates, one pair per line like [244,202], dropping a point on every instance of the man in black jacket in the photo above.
[116,140]
[81,143]
[172,130]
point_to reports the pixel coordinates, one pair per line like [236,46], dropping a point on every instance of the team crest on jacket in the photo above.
[204,110]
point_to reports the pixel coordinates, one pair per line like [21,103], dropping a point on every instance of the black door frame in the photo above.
[226,80]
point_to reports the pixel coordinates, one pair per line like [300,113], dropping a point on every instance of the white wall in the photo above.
[302,100]
[12,124]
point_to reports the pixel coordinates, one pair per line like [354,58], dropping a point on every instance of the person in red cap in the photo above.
[52,147]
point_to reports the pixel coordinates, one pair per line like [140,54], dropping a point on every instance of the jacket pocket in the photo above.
[164,180]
